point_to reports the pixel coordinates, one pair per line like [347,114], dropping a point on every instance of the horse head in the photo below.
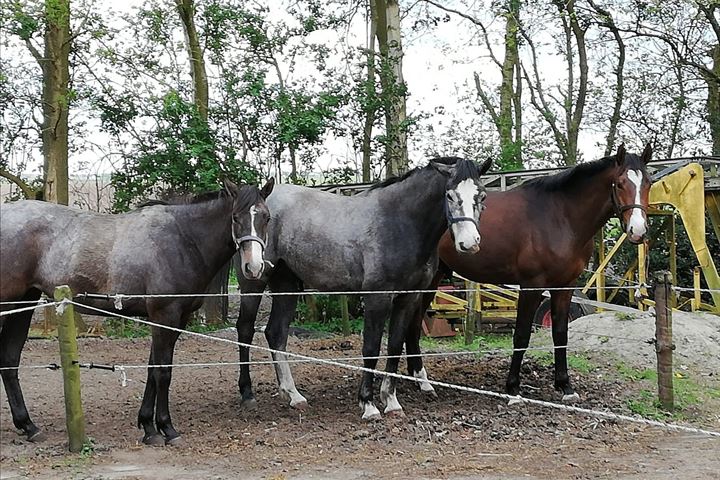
[464,196]
[250,217]
[630,192]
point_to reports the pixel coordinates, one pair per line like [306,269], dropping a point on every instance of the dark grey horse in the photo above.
[156,249]
[383,239]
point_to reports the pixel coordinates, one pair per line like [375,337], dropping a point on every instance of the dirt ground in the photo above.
[457,435]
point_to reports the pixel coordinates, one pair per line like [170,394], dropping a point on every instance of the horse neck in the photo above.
[588,208]
[209,228]
[420,197]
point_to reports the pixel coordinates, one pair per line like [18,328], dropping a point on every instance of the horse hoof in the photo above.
[517,399]
[397,413]
[371,413]
[429,393]
[174,442]
[300,405]
[36,436]
[248,404]
[571,398]
[154,440]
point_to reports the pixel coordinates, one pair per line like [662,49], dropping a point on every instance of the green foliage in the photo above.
[88,448]
[329,314]
[22,23]
[121,328]
[687,392]
[179,156]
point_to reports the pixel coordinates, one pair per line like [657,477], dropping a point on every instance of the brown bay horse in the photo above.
[541,235]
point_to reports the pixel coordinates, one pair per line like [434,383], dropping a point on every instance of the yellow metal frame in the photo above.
[684,190]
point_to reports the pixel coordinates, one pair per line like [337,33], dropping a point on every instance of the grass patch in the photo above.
[121,328]
[481,343]
[687,393]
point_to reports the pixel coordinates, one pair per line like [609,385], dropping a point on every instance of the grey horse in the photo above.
[156,249]
[383,239]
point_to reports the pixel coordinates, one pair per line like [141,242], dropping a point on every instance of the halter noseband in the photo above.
[620,209]
[451,220]
[245,238]
[250,238]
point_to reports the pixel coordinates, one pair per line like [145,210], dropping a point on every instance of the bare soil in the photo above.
[457,435]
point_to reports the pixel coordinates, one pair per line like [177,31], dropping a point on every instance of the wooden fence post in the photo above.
[663,339]
[67,338]
[345,315]
[473,312]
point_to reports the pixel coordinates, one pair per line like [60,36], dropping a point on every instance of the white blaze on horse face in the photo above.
[467,237]
[637,226]
[252,260]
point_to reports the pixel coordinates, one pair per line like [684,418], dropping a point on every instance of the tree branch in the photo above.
[28,191]
[486,101]
[473,20]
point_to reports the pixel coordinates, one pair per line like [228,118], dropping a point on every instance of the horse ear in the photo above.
[485,166]
[444,168]
[647,153]
[267,189]
[230,187]
[620,155]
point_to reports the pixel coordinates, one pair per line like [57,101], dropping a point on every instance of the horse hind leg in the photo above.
[13,335]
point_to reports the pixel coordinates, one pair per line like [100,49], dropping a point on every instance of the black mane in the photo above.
[247,195]
[464,169]
[574,177]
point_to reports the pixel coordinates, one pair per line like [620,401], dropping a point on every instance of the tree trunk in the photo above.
[713,100]
[576,107]
[186,9]
[393,85]
[609,23]
[510,157]
[214,308]
[370,93]
[56,100]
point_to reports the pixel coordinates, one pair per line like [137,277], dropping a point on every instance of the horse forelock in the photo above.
[465,169]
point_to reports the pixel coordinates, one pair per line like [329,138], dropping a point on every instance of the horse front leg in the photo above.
[245,327]
[12,340]
[560,306]
[412,346]
[528,302]
[162,352]
[377,310]
[404,310]
[276,333]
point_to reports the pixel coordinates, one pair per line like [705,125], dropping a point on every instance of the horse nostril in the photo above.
[462,246]
[247,269]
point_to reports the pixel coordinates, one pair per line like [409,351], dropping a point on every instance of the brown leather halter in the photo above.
[620,209]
